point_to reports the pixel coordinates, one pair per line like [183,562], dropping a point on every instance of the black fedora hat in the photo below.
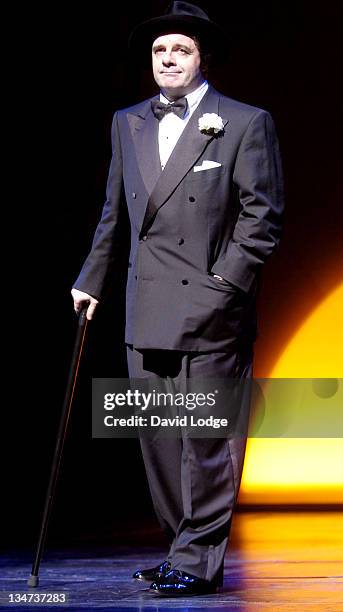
[179,18]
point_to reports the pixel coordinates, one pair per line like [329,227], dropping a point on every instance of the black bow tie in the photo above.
[179,107]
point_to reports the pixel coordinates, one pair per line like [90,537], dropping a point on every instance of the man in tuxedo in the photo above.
[200,177]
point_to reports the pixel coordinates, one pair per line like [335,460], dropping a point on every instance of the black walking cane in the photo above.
[33,581]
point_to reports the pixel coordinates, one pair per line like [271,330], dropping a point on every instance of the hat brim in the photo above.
[211,35]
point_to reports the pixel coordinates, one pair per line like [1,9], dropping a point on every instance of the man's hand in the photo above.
[81,299]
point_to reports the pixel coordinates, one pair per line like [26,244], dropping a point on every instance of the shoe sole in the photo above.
[161,594]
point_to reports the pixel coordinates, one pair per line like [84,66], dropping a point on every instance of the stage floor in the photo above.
[275,561]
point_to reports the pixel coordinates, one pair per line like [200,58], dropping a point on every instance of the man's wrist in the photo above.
[224,281]
[221,279]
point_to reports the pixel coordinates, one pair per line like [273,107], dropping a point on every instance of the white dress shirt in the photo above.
[171,126]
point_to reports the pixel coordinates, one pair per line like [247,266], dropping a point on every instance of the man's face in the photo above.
[176,65]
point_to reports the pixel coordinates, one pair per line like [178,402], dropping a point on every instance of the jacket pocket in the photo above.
[206,175]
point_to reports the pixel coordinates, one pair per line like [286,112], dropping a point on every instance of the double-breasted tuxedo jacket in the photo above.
[187,225]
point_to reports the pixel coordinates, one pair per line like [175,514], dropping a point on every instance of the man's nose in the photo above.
[168,59]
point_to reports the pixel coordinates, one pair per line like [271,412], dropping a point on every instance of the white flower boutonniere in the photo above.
[210,123]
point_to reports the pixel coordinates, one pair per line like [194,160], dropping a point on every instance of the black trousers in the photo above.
[194,482]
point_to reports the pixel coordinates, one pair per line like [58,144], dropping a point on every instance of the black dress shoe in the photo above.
[180,584]
[152,574]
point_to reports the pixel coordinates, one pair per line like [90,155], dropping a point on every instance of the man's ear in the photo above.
[205,61]
[205,64]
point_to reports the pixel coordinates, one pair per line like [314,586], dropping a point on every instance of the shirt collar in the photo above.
[193,98]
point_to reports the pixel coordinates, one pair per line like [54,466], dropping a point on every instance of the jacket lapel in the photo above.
[144,132]
[190,146]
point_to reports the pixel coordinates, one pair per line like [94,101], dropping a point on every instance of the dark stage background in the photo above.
[74,73]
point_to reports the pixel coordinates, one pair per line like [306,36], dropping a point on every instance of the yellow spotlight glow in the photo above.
[298,470]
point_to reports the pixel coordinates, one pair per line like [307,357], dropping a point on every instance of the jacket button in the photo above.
[185,281]
[134,195]
[145,237]
[191,198]
[181,241]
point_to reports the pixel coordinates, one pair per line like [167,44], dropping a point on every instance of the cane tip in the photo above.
[33,581]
